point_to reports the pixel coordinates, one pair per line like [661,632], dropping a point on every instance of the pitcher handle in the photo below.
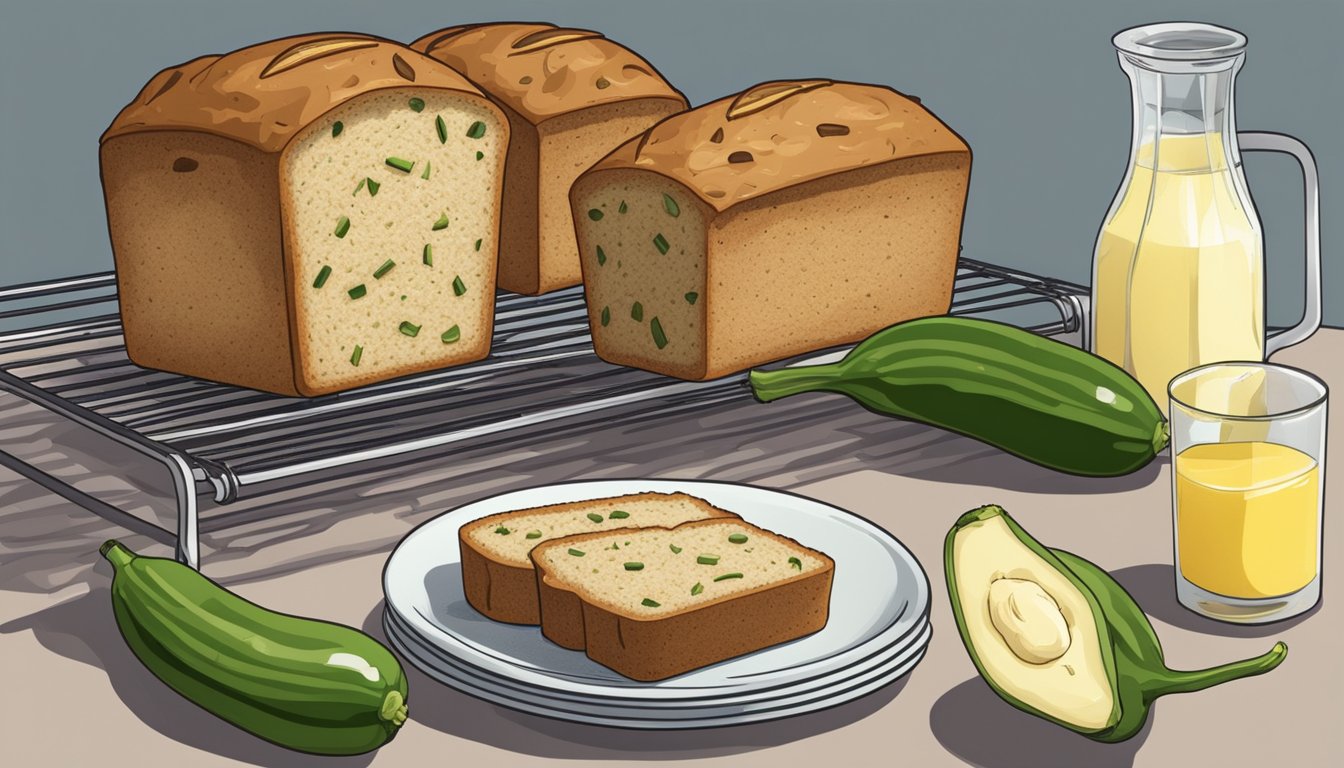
[1264,141]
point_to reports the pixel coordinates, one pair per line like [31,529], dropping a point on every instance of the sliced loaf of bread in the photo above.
[657,602]
[306,215]
[497,574]
[794,216]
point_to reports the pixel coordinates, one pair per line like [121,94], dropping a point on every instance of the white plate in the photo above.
[434,656]
[647,718]
[450,668]
[879,595]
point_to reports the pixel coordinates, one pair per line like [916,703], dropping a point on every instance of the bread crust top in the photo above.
[264,94]
[541,70]
[781,133]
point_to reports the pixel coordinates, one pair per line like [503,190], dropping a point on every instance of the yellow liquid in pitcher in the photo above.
[1179,283]
[1246,518]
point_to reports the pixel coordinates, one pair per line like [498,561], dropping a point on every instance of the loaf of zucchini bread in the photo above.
[794,216]
[306,215]
[497,574]
[657,602]
[571,97]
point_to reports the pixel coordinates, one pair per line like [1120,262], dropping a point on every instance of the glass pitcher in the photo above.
[1178,273]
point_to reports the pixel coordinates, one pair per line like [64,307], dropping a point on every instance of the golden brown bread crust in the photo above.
[656,650]
[235,329]
[506,591]
[499,591]
[561,614]
[540,70]
[264,94]
[783,133]
[520,240]
[659,648]
[903,211]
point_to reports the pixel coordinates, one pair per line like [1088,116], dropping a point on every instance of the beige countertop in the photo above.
[75,696]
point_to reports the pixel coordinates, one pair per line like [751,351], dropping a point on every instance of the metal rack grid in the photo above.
[225,442]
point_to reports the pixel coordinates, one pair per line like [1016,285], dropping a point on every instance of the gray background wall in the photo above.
[1033,85]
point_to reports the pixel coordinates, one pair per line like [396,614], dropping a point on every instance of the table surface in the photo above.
[76,696]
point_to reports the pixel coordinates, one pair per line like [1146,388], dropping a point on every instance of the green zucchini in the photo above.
[308,685]
[1045,401]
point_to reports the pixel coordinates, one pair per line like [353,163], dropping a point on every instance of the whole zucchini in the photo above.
[308,685]
[1033,397]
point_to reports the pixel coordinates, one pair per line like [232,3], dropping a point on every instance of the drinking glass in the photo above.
[1248,485]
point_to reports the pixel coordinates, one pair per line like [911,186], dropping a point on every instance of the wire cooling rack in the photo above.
[61,349]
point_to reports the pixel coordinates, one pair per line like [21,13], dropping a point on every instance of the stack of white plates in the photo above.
[878,628]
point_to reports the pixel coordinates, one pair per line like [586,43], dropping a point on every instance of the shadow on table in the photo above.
[47,543]
[84,629]
[1153,586]
[974,724]
[991,468]
[435,705]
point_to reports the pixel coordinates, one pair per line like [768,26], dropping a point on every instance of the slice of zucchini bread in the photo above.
[497,574]
[306,215]
[657,602]
[792,217]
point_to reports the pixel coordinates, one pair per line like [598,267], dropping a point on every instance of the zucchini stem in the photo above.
[394,709]
[1188,682]
[772,385]
[1161,436]
[116,554]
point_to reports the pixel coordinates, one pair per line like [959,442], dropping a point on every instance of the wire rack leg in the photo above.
[184,488]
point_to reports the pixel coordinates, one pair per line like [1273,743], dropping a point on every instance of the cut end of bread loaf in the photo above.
[643,246]
[391,206]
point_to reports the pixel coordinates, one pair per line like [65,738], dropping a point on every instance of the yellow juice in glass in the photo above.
[1179,273]
[1246,518]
